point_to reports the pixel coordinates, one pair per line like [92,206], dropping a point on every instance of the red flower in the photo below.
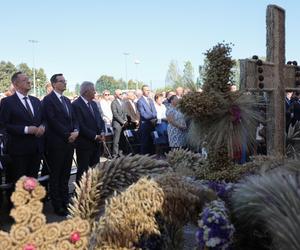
[75,236]
[29,247]
[29,183]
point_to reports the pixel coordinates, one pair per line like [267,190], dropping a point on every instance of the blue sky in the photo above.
[85,39]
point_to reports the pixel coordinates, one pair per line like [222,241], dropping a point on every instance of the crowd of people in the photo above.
[53,129]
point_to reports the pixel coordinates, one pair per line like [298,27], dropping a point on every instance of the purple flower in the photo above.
[215,229]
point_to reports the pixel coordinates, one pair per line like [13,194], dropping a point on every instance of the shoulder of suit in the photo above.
[34,98]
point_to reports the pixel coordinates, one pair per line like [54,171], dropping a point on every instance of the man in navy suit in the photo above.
[21,116]
[62,131]
[92,129]
[147,112]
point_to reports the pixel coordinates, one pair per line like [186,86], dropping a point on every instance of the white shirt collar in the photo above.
[85,100]
[57,94]
[21,96]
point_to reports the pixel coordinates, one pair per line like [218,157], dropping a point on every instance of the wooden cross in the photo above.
[272,76]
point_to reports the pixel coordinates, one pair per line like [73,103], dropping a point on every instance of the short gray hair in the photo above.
[86,86]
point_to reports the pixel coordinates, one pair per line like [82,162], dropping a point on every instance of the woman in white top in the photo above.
[160,108]
[105,104]
[161,133]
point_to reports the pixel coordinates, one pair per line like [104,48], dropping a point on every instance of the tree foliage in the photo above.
[106,82]
[77,88]
[188,73]
[6,71]
[173,76]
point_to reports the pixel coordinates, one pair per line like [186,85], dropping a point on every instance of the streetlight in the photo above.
[125,55]
[33,65]
[136,62]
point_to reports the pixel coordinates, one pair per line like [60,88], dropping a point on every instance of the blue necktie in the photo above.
[65,105]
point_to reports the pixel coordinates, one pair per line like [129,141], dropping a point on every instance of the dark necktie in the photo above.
[65,105]
[28,107]
[91,108]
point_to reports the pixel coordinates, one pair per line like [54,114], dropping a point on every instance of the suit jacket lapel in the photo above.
[35,107]
[86,107]
[21,106]
[59,104]
[148,104]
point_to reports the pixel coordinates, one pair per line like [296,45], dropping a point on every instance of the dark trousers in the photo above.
[86,158]
[28,165]
[60,163]
[146,129]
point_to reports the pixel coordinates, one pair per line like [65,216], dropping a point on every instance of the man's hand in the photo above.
[73,136]
[40,131]
[100,138]
[32,130]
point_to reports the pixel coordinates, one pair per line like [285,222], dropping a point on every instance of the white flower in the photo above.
[212,242]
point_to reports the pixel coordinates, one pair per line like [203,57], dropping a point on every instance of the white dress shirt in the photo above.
[21,97]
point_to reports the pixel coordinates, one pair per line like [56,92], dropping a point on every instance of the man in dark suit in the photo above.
[133,115]
[119,120]
[62,131]
[22,118]
[91,126]
[147,112]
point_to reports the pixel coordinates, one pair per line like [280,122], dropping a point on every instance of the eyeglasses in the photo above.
[106,94]
[62,81]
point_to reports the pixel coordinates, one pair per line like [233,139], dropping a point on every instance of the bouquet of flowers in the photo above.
[215,229]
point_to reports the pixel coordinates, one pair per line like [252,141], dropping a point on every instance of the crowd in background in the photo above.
[52,130]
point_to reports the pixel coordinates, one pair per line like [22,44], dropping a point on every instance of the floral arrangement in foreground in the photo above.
[31,231]
[215,229]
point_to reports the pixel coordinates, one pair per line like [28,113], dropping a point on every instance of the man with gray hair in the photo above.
[92,129]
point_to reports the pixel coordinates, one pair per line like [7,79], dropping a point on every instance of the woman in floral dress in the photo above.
[177,126]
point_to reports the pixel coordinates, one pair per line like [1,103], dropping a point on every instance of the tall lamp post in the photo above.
[33,64]
[136,62]
[125,55]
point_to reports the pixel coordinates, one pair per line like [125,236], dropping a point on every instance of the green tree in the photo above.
[41,81]
[109,83]
[173,76]
[188,73]
[6,71]
[132,84]
[40,77]
[77,88]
